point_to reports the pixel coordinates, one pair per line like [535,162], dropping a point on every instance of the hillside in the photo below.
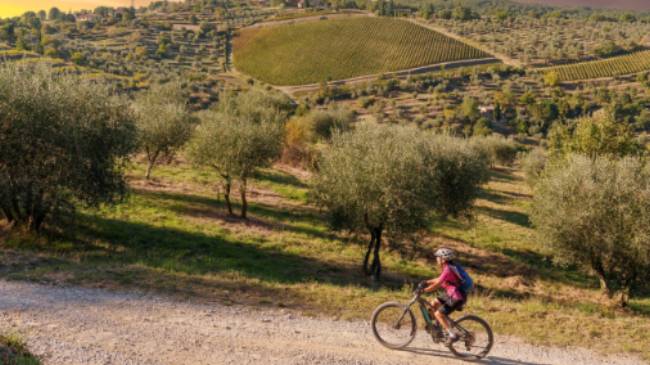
[615,66]
[312,52]
[607,4]
[173,236]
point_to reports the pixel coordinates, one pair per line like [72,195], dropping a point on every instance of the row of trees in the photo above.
[65,143]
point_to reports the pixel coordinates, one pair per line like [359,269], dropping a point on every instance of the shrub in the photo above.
[323,123]
[63,141]
[596,212]
[257,105]
[381,178]
[551,78]
[316,127]
[533,164]
[457,170]
[594,136]
[498,149]
[163,121]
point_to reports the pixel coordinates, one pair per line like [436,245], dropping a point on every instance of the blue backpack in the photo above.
[466,282]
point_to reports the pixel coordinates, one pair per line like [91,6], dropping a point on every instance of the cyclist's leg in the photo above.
[441,315]
[447,306]
[435,304]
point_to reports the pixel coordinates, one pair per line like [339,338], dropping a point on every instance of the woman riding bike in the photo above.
[453,298]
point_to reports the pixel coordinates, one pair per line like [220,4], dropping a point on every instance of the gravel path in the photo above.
[89,326]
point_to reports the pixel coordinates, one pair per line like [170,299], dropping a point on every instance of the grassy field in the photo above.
[316,51]
[615,66]
[173,237]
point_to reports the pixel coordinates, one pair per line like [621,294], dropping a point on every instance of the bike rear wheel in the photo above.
[393,325]
[476,338]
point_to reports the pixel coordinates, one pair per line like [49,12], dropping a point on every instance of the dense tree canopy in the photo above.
[386,178]
[62,141]
[596,211]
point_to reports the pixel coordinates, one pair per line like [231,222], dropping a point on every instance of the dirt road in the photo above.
[89,326]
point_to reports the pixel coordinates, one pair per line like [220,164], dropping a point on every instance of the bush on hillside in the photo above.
[595,211]
[598,135]
[458,170]
[257,105]
[303,132]
[533,164]
[498,149]
[382,178]
[163,121]
[63,142]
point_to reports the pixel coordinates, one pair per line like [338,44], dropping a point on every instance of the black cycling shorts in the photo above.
[450,305]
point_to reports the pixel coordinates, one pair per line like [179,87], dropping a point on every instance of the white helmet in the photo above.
[446,254]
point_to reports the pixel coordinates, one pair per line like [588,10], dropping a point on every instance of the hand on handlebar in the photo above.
[421,286]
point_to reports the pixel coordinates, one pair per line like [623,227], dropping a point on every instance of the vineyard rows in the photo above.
[311,52]
[622,65]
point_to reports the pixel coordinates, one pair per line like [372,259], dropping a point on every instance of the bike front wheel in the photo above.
[475,338]
[393,325]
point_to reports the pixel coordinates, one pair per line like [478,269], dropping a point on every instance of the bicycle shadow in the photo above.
[490,360]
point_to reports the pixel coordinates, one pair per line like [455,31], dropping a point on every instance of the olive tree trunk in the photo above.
[227,187]
[242,192]
[151,161]
[373,268]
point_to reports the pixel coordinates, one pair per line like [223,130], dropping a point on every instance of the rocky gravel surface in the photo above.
[69,325]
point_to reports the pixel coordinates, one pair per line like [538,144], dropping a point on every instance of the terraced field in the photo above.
[312,52]
[622,65]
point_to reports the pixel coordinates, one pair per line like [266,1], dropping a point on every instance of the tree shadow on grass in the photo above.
[517,218]
[494,196]
[297,220]
[199,254]
[502,174]
[279,177]
[116,274]
[191,253]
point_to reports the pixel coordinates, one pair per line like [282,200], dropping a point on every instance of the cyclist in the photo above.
[453,297]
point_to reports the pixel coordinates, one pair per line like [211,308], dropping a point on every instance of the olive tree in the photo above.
[163,121]
[595,211]
[237,140]
[597,135]
[63,141]
[394,179]
[257,105]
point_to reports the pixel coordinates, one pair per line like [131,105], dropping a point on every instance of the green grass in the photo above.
[615,66]
[173,237]
[13,351]
[316,51]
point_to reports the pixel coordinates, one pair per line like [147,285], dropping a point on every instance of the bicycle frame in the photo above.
[424,306]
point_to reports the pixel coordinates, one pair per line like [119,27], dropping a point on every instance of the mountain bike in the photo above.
[394,326]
